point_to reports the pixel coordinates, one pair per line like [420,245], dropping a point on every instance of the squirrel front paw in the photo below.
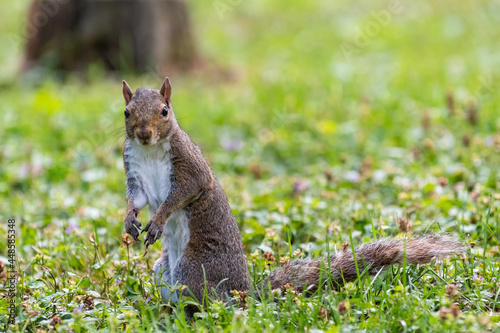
[132,225]
[154,230]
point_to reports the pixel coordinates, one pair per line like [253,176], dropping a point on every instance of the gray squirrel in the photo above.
[201,243]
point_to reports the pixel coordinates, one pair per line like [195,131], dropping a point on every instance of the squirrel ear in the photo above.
[127,92]
[166,91]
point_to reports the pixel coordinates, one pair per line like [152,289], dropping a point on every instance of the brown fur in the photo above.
[214,252]
[377,255]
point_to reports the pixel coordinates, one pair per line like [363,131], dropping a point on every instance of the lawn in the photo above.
[342,121]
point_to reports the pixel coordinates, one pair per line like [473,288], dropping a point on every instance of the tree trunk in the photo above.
[123,35]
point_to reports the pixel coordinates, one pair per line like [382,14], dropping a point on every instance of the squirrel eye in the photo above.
[127,113]
[164,112]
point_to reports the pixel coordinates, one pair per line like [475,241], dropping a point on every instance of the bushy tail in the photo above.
[376,255]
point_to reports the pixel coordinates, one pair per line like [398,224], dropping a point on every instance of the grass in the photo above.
[330,140]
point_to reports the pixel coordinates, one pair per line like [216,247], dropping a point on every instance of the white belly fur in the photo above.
[153,165]
[175,238]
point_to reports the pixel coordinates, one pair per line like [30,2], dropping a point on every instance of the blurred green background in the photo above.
[336,115]
[317,88]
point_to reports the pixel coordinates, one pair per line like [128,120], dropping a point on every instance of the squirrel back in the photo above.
[190,213]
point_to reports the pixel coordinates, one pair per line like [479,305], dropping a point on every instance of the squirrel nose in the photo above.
[143,134]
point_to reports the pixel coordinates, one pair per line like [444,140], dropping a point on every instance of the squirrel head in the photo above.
[149,116]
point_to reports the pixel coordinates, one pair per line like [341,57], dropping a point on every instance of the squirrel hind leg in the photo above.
[163,279]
